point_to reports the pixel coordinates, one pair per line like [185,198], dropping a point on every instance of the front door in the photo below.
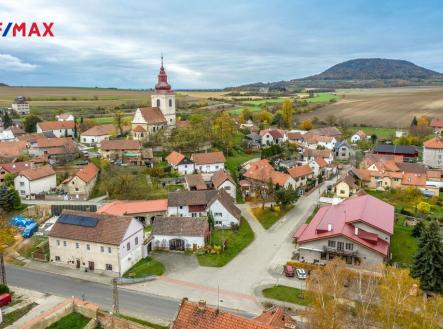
[177,244]
[91,266]
[77,264]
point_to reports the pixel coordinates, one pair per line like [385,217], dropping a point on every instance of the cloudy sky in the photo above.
[212,44]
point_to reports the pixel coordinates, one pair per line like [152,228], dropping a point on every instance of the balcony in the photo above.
[342,252]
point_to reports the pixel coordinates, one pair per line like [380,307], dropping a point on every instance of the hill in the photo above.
[361,73]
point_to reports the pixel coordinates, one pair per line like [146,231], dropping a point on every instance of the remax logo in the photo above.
[27,30]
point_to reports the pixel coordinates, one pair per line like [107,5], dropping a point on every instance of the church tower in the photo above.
[164,97]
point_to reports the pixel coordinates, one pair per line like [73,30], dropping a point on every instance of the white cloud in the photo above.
[11,63]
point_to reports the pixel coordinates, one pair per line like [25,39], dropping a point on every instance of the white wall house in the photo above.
[222,180]
[433,153]
[21,107]
[114,244]
[97,134]
[35,181]
[208,162]
[58,128]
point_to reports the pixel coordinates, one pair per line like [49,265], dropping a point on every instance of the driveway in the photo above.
[258,264]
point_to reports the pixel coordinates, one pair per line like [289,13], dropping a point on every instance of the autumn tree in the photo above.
[331,120]
[428,262]
[224,130]
[286,110]
[264,117]
[119,122]
[306,124]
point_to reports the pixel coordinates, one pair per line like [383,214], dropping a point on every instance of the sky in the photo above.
[211,44]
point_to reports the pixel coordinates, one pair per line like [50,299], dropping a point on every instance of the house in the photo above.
[55,150]
[180,163]
[253,141]
[346,187]
[146,211]
[82,182]
[96,242]
[407,151]
[319,141]
[126,151]
[312,154]
[208,162]
[12,150]
[97,134]
[433,152]
[162,114]
[13,168]
[295,137]
[328,131]
[199,203]
[195,182]
[261,173]
[357,230]
[301,175]
[58,128]
[6,135]
[437,125]
[359,136]
[342,151]
[180,233]
[273,136]
[65,117]
[400,133]
[318,166]
[201,316]
[21,106]
[223,180]
[32,181]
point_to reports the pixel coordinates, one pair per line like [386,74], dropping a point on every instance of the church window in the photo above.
[170,103]
[158,103]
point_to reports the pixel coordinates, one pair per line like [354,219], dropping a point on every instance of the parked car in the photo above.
[288,270]
[301,273]
[5,299]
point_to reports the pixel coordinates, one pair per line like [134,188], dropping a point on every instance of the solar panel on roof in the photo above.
[78,220]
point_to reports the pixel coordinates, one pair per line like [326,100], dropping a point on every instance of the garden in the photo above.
[268,216]
[145,267]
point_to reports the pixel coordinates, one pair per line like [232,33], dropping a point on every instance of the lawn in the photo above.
[267,216]
[258,102]
[239,110]
[10,318]
[235,243]
[379,132]
[403,244]
[321,97]
[109,120]
[286,294]
[232,162]
[143,322]
[146,266]
[71,321]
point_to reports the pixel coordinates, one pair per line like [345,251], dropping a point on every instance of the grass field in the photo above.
[286,294]
[235,241]
[109,120]
[321,97]
[232,162]
[239,110]
[71,321]
[403,244]
[146,266]
[383,107]
[380,132]
[268,217]
[258,102]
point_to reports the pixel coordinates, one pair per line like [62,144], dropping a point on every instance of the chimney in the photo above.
[356,230]
[329,227]
[201,305]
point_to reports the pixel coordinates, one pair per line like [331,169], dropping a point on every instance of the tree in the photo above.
[424,207]
[7,232]
[414,122]
[278,119]
[331,120]
[418,229]
[224,130]
[286,110]
[286,196]
[8,179]
[118,121]
[7,121]
[306,124]
[264,117]
[30,123]
[211,220]
[423,121]
[428,262]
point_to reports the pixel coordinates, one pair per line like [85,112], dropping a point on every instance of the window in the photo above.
[57,258]
[22,192]
[64,243]
[128,246]
[181,207]
[136,240]
[88,247]
[77,245]
[58,242]
[170,103]
[218,222]
[108,267]
[218,214]
[331,244]
[340,245]
[342,192]
[109,250]
[158,103]
[102,249]
[349,246]
[22,183]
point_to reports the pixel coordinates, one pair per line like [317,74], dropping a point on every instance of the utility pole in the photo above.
[115,306]
[2,270]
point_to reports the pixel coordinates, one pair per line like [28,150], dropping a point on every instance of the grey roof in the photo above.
[253,137]
[190,198]
[227,202]
[341,144]
[180,226]
[395,149]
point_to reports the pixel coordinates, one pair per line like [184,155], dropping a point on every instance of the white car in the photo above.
[301,273]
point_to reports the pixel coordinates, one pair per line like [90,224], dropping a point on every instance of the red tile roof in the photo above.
[437,123]
[100,130]
[262,171]
[124,208]
[220,176]
[9,150]
[208,158]
[16,167]
[120,144]
[37,173]
[414,179]
[434,143]
[321,162]
[195,181]
[139,129]
[337,220]
[300,171]
[55,125]
[174,158]
[87,173]
[152,115]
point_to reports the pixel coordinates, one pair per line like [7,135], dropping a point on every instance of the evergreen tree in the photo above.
[6,199]
[414,122]
[428,262]
[211,220]
[418,229]
[7,121]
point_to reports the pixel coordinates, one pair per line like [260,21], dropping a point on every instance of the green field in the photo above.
[109,120]
[286,294]
[258,102]
[239,110]
[321,97]
[145,267]
[379,132]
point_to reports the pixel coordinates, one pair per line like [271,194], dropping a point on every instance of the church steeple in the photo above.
[162,84]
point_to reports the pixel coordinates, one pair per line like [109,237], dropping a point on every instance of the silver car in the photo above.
[301,273]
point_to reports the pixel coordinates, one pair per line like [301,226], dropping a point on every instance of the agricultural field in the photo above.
[258,102]
[383,107]
[321,97]
[239,110]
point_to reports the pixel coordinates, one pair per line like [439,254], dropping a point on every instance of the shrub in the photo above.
[4,289]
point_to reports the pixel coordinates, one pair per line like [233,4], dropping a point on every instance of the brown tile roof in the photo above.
[100,130]
[327,131]
[262,171]
[196,181]
[174,158]
[414,179]
[87,173]
[295,136]
[192,316]
[37,173]
[17,130]
[437,123]
[208,158]
[120,144]
[152,115]
[227,202]
[55,125]
[16,167]
[125,208]
[277,317]
[109,229]
[321,162]
[348,180]
[317,153]
[44,142]
[220,176]
[417,168]
[139,129]
[181,226]
[300,171]
[10,150]
[434,174]
[190,198]
[434,143]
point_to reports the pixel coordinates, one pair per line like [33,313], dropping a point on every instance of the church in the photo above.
[161,114]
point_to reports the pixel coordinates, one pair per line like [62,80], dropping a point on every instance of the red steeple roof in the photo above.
[162,84]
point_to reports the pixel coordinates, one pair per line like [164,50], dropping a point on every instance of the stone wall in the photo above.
[109,321]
